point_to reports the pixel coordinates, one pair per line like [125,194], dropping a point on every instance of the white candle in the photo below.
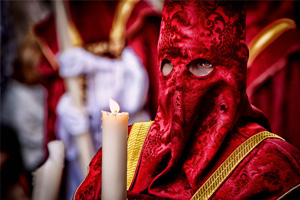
[47,178]
[114,153]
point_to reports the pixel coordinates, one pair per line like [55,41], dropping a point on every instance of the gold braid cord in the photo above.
[138,136]
[217,178]
[135,144]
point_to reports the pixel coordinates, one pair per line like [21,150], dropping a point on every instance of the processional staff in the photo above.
[68,37]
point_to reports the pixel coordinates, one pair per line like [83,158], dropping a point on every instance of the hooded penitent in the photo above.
[204,115]
[202,100]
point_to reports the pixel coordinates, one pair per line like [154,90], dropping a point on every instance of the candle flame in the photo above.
[114,106]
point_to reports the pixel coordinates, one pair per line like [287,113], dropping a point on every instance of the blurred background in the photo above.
[62,60]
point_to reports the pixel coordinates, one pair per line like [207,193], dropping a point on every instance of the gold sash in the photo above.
[135,144]
[217,178]
[139,133]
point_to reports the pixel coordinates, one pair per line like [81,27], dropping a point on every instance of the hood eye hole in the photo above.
[200,67]
[166,67]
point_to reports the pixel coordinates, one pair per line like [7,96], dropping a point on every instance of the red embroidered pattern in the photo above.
[195,113]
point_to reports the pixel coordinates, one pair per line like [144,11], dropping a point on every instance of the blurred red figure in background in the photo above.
[94,22]
[273,79]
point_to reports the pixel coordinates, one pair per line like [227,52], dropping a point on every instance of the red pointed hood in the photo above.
[196,113]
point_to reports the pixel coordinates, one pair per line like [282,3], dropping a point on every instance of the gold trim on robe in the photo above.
[117,32]
[267,36]
[219,176]
[119,23]
[288,192]
[135,143]
[74,35]
[138,136]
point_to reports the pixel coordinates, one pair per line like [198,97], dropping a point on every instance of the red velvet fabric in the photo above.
[201,120]
[142,36]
